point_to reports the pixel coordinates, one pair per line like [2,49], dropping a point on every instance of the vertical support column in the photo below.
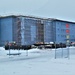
[55,49]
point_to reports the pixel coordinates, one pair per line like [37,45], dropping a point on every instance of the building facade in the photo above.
[26,30]
[64,31]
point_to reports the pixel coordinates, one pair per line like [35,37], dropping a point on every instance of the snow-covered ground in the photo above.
[38,62]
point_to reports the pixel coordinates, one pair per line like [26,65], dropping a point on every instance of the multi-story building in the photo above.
[26,30]
[63,31]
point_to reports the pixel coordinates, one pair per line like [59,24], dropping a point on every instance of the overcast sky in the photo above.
[62,9]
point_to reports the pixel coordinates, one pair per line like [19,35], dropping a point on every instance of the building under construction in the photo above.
[27,30]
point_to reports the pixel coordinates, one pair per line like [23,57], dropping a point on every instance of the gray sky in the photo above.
[62,9]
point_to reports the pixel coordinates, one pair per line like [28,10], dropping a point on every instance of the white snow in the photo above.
[38,62]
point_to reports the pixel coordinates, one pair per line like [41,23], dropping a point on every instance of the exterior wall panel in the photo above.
[29,31]
[6,30]
[48,31]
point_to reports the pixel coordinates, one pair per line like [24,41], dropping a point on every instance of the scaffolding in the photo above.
[40,32]
[18,39]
